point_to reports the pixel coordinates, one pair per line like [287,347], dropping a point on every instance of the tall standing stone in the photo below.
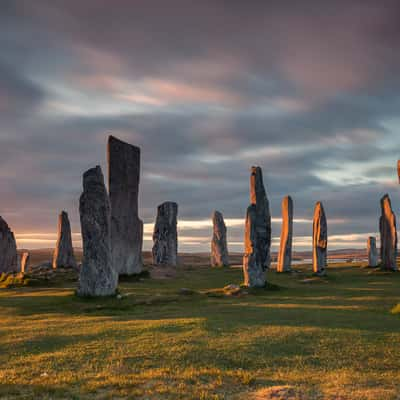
[258,197]
[373,259]
[24,262]
[126,227]
[285,250]
[388,232]
[219,247]
[398,169]
[257,241]
[8,249]
[320,240]
[253,267]
[165,235]
[64,252]
[97,275]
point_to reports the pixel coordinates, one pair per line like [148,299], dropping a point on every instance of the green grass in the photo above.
[13,280]
[331,338]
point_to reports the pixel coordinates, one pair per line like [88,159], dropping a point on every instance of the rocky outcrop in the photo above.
[388,232]
[253,268]
[320,240]
[285,250]
[24,262]
[64,252]
[97,276]
[126,227]
[8,249]
[219,246]
[165,235]
[373,259]
[258,198]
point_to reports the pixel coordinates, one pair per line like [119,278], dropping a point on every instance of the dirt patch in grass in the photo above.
[277,393]
[163,272]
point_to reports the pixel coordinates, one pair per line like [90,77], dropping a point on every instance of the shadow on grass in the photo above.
[227,314]
[37,391]
[352,299]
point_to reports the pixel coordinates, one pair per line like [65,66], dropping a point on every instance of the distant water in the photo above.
[330,260]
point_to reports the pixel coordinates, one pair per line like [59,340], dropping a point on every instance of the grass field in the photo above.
[328,339]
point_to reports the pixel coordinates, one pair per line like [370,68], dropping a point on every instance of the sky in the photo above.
[307,90]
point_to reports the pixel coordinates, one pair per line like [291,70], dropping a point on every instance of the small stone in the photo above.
[64,252]
[219,247]
[24,262]
[8,249]
[233,290]
[165,235]
[97,276]
[231,286]
[373,259]
[320,240]
[186,291]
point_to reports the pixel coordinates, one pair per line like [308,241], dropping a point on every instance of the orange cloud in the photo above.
[178,92]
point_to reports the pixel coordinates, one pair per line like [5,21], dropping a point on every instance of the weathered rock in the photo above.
[165,235]
[24,262]
[285,250]
[388,232]
[219,247]
[373,259]
[8,249]
[320,240]
[97,276]
[126,227]
[253,267]
[258,197]
[398,169]
[64,252]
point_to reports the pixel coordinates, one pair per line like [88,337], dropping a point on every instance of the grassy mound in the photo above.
[13,281]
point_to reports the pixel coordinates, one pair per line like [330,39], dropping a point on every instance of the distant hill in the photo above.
[39,256]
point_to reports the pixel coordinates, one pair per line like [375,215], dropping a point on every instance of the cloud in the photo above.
[309,92]
[18,96]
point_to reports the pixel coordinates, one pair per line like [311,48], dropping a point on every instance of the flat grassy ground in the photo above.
[329,339]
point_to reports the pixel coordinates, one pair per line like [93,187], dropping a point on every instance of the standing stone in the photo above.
[165,235]
[219,247]
[8,249]
[253,267]
[97,275]
[64,252]
[126,227]
[373,260]
[320,240]
[387,228]
[398,169]
[258,197]
[24,262]
[285,250]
